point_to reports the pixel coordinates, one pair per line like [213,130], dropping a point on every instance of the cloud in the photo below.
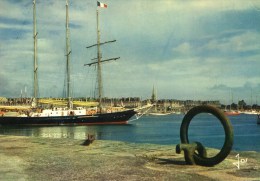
[246,41]
[247,91]
[184,47]
[18,9]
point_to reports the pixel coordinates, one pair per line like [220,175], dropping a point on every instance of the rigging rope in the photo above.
[136,115]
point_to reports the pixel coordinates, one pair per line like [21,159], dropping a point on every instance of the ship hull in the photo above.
[231,113]
[106,118]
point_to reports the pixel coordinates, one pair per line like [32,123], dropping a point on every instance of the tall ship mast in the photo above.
[99,60]
[68,52]
[35,85]
[99,73]
[68,116]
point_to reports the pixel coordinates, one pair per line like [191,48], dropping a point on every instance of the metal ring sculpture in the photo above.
[200,158]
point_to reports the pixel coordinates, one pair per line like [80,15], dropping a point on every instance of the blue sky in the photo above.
[192,49]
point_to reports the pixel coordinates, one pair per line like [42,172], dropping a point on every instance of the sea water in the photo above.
[165,130]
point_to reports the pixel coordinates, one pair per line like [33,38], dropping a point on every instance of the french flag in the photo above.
[102,5]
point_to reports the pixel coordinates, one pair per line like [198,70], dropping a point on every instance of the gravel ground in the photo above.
[27,158]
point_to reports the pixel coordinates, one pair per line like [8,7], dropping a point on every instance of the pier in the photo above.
[28,158]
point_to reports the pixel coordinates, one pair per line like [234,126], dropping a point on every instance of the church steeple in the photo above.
[154,97]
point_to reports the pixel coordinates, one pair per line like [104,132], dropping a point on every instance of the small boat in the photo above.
[250,112]
[232,113]
[258,119]
[159,114]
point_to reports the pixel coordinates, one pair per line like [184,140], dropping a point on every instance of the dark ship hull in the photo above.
[106,118]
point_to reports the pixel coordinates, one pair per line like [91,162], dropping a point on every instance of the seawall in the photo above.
[29,158]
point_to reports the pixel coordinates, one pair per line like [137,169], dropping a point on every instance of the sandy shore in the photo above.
[24,158]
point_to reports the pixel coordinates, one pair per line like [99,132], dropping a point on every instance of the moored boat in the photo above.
[104,118]
[159,114]
[69,114]
[232,113]
[250,112]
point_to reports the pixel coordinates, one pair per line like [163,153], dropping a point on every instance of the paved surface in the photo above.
[23,158]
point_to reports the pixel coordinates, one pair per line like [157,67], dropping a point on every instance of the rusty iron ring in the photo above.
[229,134]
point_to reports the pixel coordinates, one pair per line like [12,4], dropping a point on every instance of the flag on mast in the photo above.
[102,5]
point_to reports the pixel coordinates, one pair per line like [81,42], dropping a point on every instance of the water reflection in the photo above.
[204,128]
[73,132]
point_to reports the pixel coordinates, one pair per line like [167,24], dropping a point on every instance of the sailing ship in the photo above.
[64,116]
[231,112]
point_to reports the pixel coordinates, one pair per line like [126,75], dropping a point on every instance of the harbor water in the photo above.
[164,130]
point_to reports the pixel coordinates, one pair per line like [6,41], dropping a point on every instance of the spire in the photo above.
[154,97]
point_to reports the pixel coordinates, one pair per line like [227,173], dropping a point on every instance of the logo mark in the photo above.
[239,162]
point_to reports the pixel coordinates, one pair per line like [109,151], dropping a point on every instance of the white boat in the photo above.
[159,114]
[251,112]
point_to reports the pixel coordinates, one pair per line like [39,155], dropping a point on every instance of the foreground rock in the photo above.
[24,158]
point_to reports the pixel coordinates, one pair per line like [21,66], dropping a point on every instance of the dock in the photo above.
[34,158]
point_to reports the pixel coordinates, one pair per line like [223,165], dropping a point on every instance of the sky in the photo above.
[186,49]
